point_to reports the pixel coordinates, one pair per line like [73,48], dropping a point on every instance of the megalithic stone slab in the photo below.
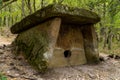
[90,44]
[67,14]
[37,43]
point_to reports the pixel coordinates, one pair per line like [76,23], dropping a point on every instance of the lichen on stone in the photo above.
[66,13]
[33,49]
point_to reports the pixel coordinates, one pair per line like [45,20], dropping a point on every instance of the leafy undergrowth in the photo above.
[2,77]
[114,50]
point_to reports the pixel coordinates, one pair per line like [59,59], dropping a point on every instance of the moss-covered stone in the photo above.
[37,43]
[67,14]
[33,48]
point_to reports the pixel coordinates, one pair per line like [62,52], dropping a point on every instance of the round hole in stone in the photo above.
[67,53]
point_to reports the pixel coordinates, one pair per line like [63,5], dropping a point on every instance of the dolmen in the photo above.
[57,36]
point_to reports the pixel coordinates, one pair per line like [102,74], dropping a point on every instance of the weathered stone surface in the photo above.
[68,15]
[70,38]
[37,43]
[44,45]
[90,44]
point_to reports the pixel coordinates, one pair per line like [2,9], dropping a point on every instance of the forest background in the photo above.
[108,29]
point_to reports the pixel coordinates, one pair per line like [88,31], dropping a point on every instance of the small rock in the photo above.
[15,58]
[8,72]
[1,52]
[92,76]
[2,61]
[15,68]
[111,55]
[2,46]
[11,76]
[101,58]
[114,56]
[11,64]
[16,75]
[20,58]
[117,57]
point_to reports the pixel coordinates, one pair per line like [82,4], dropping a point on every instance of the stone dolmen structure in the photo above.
[57,36]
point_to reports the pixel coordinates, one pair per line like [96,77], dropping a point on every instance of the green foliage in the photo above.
[108,10]
[2,77]
[0,3]
[105,8]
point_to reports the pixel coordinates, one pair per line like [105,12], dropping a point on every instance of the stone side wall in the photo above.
[90,43]
[37,43]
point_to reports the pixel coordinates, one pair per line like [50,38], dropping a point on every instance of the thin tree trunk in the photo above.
[60,1]
[110,39]
[118,37]
[15,19]
[11,20]
[9,17]
[1,18]
[6,21]
[104,22]
[0,21]
[42,3]
[105,40]
[23,10]
[29,7]
[34,5]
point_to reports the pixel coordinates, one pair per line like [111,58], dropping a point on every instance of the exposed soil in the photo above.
[17,68]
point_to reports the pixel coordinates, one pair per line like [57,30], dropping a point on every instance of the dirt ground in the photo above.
[17,68]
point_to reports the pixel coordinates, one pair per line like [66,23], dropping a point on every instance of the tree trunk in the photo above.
[34,5]
[9,17]
[118,37]
[6,22]
[109,39]
[60,1]
[105,40]
[104,22]
[42,3]
[0,21]
[23,10]
[11,20]
[29,6]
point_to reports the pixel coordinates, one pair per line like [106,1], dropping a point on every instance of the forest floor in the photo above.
[17,68]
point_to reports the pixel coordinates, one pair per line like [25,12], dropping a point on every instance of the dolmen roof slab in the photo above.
[69,15]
